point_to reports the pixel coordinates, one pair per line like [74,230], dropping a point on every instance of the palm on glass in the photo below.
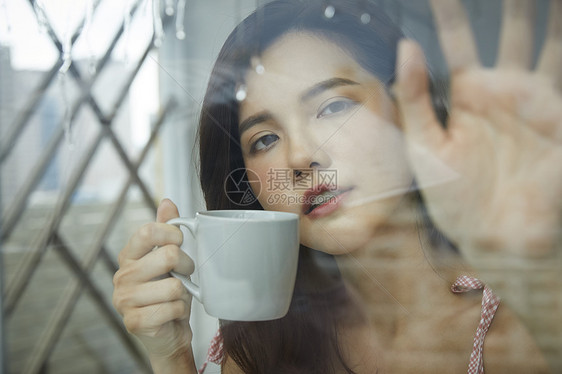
[503,139]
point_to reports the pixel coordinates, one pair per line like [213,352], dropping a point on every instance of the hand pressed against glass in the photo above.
[504,135]
[314,109]
[504,140]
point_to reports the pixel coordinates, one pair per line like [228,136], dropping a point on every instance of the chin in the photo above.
[336,239]
[350,230]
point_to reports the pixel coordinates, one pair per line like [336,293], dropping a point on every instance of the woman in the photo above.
[308,87]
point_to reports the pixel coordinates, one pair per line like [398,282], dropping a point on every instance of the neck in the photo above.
[398,277]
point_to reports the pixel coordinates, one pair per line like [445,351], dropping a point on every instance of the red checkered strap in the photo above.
[490,303]
[215,354]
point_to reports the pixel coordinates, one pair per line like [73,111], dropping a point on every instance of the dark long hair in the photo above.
[306,340]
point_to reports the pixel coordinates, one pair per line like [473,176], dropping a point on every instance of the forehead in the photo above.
[305,50]
[298,60]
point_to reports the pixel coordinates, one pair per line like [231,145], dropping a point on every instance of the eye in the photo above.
[335,106]
[264,143]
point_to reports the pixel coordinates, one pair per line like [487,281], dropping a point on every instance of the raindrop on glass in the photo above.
[92,66]
[126,32]
[67,119]
[365,18]
[180,34]
[86,34]
[66,54]
[157,23]
[5,20]
[180,31]
[39,10]
[257,65]
[89,10]
[170,8]
[330,11]
[241,93]
[68,133]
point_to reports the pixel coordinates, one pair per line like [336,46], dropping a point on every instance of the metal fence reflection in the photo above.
[49,237]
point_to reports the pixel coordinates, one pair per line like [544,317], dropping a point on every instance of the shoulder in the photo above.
[509,342]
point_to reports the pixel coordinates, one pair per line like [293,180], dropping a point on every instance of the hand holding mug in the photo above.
[155,307]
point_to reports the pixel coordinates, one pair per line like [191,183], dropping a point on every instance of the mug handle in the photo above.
[191,224]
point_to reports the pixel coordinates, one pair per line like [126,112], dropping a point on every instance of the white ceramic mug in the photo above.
[246,260]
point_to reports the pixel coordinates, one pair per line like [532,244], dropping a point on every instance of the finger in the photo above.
[156,264]
[516,40]
[147,237]
[414,99]
[166,211]
[140,321]
[550,61]
[455,35]
[164,260]
[150,293]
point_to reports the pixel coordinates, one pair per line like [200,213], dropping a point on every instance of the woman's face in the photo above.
[321,134]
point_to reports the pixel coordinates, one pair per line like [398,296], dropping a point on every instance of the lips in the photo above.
[322,200]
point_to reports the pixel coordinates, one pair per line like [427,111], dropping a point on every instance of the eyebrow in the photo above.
[253,120]
[315,90]
[326,85]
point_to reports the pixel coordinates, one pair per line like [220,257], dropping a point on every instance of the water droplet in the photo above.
[365,18]
[66,54]
[157,23]
[330,11]
[6,21]
[126,32]
[89,10]
[180,34]
[170,8]
[256,64]
[67,119]
[65,65]
[241,93]
[39,10]
[92,68]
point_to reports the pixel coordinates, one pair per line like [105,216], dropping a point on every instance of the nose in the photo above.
[305,153]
